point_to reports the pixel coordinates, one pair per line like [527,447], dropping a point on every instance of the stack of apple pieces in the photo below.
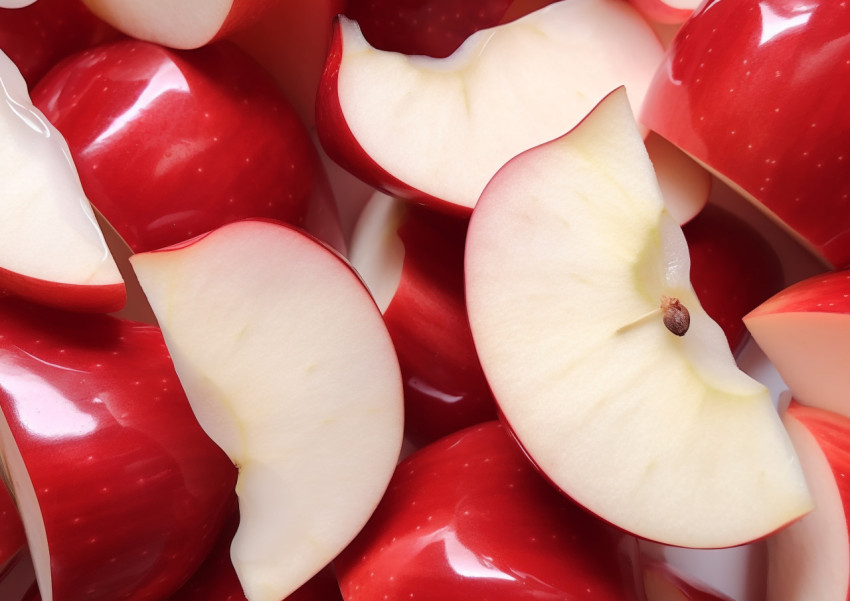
[289,368]
[602,361]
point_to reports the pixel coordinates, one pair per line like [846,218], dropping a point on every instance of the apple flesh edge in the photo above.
[351,388]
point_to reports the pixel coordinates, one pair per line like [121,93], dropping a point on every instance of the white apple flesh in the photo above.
[289,368]
[569,255]
[436,130]
[51,249]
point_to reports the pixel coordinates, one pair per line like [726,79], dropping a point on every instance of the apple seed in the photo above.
[676,316]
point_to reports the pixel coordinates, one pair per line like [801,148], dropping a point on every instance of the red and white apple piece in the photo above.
[804,330]
[666,11]
[121,493]
[182,24]
[171,144]
[40,35]
[749,89]
[468,517]
[412,261]
[733,269]
[611,375]
[51,249]
[685,184]
[811,558]
[289,368]
[436,130]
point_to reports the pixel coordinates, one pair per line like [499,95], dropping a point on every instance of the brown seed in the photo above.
[676,316]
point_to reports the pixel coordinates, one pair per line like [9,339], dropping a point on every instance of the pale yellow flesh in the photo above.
[288,366]
[811,558]
[661,435]
[48,231]
[455,121]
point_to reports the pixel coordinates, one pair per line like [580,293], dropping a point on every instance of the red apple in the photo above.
[121,493]
[733,269]
[40,35]
[467,517]
[412,260]
[171,144]
[435,130]
[183,23]
[811,558]
[752,89]
[13,540]
[685,184]
[662,582]
[803,330]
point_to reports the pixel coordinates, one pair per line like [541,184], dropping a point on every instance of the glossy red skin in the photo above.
[38,36]
[444,386]
[131,490]
[766,107]
[467,517]
[826,293]
[216,580]
[733,269]
[170,144]
[72,297]
[340,144]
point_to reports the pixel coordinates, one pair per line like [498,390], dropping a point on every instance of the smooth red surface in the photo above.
[170,144]
[431,27]
[444,386]
[38,36]
[757,90]
[467,517]
[73,297]
[733,269]
[131,491]
[827,293]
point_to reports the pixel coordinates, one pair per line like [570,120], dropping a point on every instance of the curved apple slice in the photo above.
[685,184]
[436,130]
[803,330]
[289,368]
[658,433]
[667,12]
[180,24]
[811,558]
[51,249]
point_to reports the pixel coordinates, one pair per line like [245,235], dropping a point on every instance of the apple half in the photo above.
[804,330]
[811,558]
[436,130]
[288,366]
[577,283]
[51,249]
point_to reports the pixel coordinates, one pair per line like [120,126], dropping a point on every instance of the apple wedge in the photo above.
[436,130]
[811,558]
[51,249]
[804,330]
[577,283]
[289,368]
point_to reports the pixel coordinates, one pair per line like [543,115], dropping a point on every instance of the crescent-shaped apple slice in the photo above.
[436,130]
[577,285]
[288,366]
[51,248]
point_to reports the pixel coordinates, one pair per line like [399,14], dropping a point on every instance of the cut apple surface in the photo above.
[652,427]
[436,130]
[289,368]
[811,558]
[51,249]
[804,331]
[685,184]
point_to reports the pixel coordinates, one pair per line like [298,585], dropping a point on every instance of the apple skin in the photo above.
[733,269]
[38,36]
[444,385]
[748,88]
[662,582]
[131,491]
[468,517]
[13,539]
[171,144]
[662,12]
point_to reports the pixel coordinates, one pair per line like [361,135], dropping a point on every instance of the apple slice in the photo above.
[662,582]
[803,330]
[288,366]
[666,11]
[436,130]
[685,184]
[182,24]
[643,419]
[811,558]
[51,249]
